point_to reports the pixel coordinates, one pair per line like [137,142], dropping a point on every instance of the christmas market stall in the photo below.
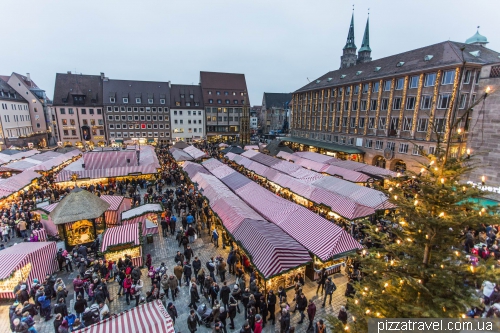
[123,240]
[148,214]
[11,155]
[276,256]
[9,187]
[25,262]
[180,155]
[145,318]
[195,153]
[77,217]
[113,215]
[321,237]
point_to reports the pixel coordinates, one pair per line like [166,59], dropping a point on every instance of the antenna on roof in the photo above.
[308,79]
[353,7]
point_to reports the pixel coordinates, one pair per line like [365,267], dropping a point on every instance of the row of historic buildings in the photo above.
[100,110]
[388,111]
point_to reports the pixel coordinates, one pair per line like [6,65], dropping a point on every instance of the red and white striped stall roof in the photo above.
[146,318]
[233,211]
[251,147]
[262,238]
[287,156]
[114,201]
[141,210]
[120,235]
[41,255]
[6,158]
[17,182]
[65,175]
[195,152]
[180,155]
[193,168]
[109,159]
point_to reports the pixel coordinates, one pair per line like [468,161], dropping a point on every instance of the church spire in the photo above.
[365,45]
[350,36]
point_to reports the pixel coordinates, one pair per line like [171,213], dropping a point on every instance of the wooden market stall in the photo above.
[77,217]
[123,240]
[26,262]
[148,215]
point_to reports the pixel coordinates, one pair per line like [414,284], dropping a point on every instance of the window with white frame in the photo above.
[371,122]
[410,102]
[162,100]
[448,77]
[400,82]
[467,76]
[381,122]
[361,123]
[353,122]
[387,85]
[431,150]
[384,104]
[368,143]
[422,124]
[444,101]
[407,122]
[396,103]
[125,100]
[391,146]
[417,150]
[439,125]
[373,105]
[379,145]
[403,148]
[138,100]
[413,82]
[463,101]
[112,100]
[430,79]
[426,102]
[363,105]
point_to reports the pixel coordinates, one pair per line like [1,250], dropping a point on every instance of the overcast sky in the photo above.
[277,44]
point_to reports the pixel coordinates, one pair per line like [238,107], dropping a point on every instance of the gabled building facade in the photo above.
[225,97]
[187,113]
[275,108]
[137,111]
[78,109]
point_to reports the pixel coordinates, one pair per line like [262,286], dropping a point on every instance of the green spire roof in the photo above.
[365,45]
[350,37]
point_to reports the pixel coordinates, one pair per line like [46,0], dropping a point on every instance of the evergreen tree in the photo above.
[419,268]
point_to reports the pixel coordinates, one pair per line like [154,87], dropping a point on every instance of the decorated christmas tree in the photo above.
[418,266]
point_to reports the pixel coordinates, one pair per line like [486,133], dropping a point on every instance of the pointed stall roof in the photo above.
[78,205]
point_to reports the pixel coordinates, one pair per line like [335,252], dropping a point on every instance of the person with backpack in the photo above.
[330,287]
[211,268]
[215,238]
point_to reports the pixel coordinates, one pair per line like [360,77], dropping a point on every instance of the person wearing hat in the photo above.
[330,287]
[172,311]
[236,294]
[44,305]
[284,321]
[259,325]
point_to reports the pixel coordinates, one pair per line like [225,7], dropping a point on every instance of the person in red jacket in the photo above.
[258,324]
[127,284]
[311,312]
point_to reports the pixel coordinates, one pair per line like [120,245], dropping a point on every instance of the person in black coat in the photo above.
[232,311]
[187,272]
[257,296]
[224,294]
[61,308]
[195,297]
[196,265]
[271,305]
[172,311]
[222,317]
[322,280]
[80,306]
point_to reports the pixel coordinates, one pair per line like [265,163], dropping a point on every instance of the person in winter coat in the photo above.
[172,285]
[22,295]
[187,272]
[64,328]
[178,271]
[330,287]
[148,261]
[57,322]
[224,295]
[179,257]
[245,299]
[222,318]
[172,311]
[271,306]
[284,321]
[193,321]
[301,306]
[342,315]
[164,284]
[44,307]
[194,296]
[232,311]
[80,306]
[30,308]
[19,326]
[322,280]
[251,316]
[127,284]
[236,293]
[258,324]
[263,311]
[61,308]
[89,317]
[246,328]
[320,327]
[136,274]
[196,265]
[311,313]
[214,292]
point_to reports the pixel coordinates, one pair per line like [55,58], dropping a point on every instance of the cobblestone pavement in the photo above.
[164,250]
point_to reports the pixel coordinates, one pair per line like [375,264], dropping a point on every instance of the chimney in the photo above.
[102,76]
[169,85]
[68,72]
[28,78]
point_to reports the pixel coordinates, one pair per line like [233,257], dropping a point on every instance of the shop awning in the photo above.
[324,145]
[120,235]
[151,140]
[119,140]
[145,318]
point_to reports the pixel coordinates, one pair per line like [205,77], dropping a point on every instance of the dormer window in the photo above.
[150,101]
[112,100]
[162,101]
[318,81]
[329,79]
[234,93]
[78,99]
[188,104]
[217,92]
[177,103]
[377,69]
[235,101]
[196,104]
[428,57]
[399,64]
[475,53]
[226,93]
[343,76]
[191,96]
[138,100]
[125,100]
[210,93]
[182,95]
[359,72]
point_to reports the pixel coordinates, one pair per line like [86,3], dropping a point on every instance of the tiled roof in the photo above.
[184,89]
[229,82]
[276,100]
[132,89]
[68,84]
[444,54]
[6,89]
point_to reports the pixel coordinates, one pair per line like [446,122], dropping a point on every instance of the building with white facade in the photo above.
[187,114]
[15,117]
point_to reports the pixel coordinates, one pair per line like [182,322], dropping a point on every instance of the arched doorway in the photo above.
[379,161]
[398,166]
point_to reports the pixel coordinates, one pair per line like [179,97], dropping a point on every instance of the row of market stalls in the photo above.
[331,195]
[327,242]
[49,161]
[105,165]
[11,155]
[370,170]
[181,152]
